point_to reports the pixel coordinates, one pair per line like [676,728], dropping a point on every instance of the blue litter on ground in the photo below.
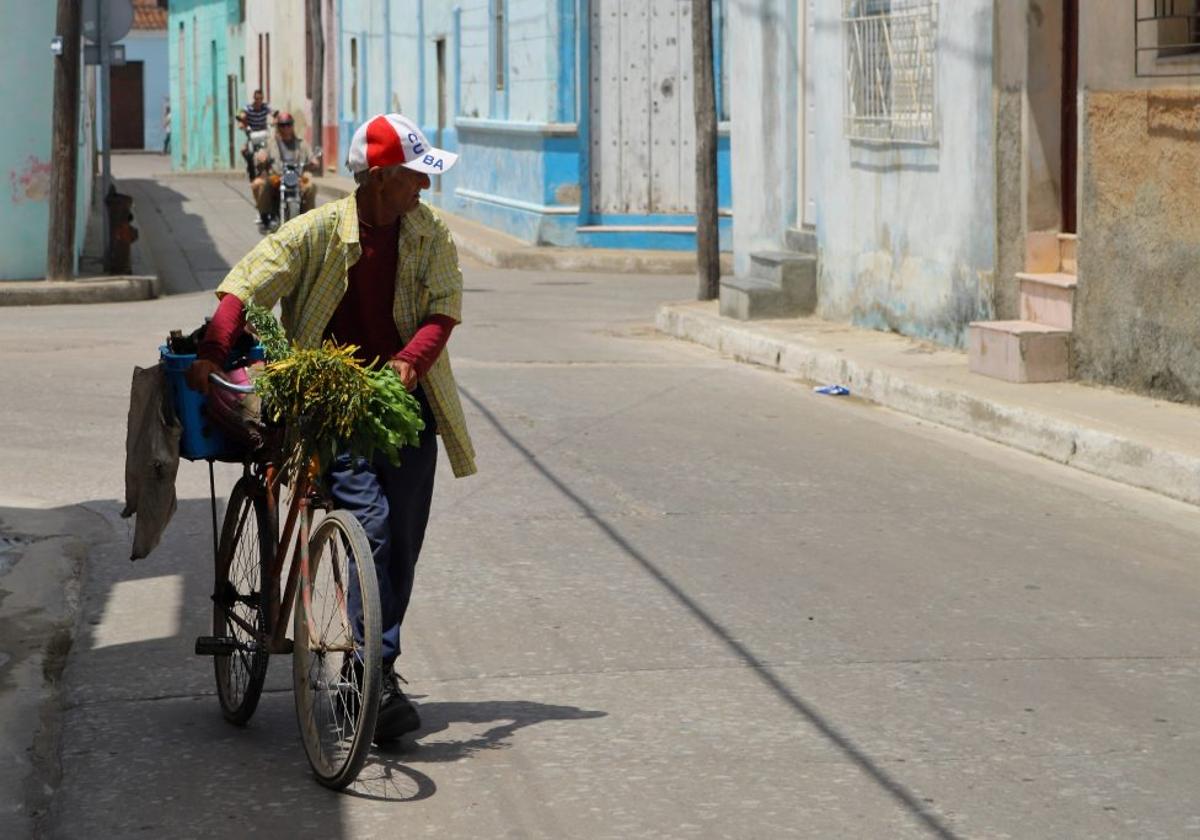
[832,390]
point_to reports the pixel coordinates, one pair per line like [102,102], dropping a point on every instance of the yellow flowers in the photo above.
[330,404]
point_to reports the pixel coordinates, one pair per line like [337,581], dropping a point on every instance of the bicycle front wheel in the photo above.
[336,667]
[241,600]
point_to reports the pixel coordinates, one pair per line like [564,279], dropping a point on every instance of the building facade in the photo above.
[140,88]
[1137,308]
[25,145]
[1014,178]
[863,146]
[277,58]
[205,47]
[573,118]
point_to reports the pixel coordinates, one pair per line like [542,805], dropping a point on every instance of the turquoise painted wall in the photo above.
[25,142]
[202,47]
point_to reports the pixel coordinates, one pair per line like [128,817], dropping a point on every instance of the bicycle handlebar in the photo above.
[216,379]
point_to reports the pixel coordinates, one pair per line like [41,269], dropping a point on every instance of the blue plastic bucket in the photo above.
[201,439]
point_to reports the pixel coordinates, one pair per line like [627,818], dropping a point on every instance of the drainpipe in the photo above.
[387,54]
[421,64]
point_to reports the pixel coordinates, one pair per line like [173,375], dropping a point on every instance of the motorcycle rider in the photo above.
[284,147]
[253,117]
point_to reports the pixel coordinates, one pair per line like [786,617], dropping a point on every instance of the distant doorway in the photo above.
[642,129]
[128,117]
[1070,111]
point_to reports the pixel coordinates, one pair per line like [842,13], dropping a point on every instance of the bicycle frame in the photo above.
[259,496]
[298,524]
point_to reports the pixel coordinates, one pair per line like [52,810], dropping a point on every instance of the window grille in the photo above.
[499,38]
[891,83]
[1166,29]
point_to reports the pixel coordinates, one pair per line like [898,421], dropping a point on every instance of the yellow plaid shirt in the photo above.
[305,263]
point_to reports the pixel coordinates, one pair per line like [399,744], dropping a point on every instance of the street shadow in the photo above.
[509,715]
[164,226]
[140,711]
[389,775]
[905,798]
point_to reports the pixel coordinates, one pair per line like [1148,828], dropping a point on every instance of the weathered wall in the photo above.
[1010,70]
[1044,113]
[25,143]
[199,35]
[1137,309]
[1106,43]
[907,233]
[285,66]
[765,59]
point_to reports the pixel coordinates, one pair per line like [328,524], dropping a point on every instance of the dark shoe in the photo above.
[397,714]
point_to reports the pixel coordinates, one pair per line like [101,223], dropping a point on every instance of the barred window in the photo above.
[498,37]
[891,89]
[1166,38]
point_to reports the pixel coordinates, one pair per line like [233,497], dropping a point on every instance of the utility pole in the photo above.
[318,78]
[64,149]
[708,256]
[105,129]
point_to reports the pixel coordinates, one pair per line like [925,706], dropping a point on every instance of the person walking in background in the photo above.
[166,125]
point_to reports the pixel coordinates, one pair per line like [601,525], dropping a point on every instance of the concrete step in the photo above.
[1019,351]
[1068,244]
[1042,251]
[801,240]
[795,274]
[1048,298]
[749,298]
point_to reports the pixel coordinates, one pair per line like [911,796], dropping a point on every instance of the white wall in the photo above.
[284,78]
[765,59]
[907,233]
[531,50]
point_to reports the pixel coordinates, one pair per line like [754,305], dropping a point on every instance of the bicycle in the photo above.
[336,668]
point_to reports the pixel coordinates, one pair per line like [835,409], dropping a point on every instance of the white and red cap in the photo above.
[395,140]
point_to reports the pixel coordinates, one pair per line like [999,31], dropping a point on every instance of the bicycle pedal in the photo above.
[216,645]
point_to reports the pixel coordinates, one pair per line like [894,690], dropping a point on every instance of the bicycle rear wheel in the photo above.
[336,676]
[240,599]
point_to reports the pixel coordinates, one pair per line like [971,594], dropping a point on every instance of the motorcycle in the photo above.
[289,200]
[256,141]
[289,193]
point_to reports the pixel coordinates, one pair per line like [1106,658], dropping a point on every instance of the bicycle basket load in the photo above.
[329,403]
[224,425]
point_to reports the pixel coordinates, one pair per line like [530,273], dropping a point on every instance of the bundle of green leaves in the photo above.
[269,332]
[329,403]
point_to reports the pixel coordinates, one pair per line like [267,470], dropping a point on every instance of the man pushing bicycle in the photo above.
[378,270]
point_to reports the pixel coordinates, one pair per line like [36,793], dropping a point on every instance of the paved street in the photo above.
[683,598]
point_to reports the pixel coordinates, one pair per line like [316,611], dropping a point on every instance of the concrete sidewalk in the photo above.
[92,284]
[491,247]
[42,550]
[1121,436]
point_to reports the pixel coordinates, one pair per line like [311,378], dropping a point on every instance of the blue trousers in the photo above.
[392,504]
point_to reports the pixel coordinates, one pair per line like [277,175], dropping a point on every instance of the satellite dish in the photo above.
[118,19]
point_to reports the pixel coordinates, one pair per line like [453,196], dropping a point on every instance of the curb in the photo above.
[1111,456]
[499,250]
[113,289]
[215,174]
[42,566]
